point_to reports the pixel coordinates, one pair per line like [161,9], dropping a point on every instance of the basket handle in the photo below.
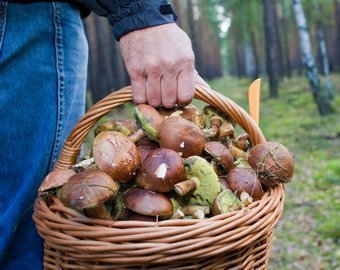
[74,141]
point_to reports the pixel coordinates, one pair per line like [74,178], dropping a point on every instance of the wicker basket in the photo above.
[237,240]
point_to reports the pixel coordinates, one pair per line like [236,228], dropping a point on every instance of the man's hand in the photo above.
[161,65]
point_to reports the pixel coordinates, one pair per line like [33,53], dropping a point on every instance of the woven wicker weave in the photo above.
[237,240]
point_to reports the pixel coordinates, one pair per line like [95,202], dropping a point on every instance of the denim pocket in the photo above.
[3,11]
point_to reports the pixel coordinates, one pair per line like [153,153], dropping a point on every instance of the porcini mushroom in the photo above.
[116,155]
[182,136]
[88,189]
[125,126]
[202,185]
[54,180]
[161,170]
[148,119]
[272,162]
[148,203]
[245,180]
[221,154]
[189,112]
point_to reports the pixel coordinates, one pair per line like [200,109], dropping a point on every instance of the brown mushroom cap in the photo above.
[189,112]
[182,136]
[221,154]
[272,162]
[145,146]
[148,203]
[55,179]
[244,179]
[161,170]
[116,155]
[87,189]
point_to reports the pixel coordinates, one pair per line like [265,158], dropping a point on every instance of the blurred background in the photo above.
[294,47]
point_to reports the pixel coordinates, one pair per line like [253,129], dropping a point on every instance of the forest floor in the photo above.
[308,234]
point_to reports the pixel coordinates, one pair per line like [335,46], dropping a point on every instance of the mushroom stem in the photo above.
[178,214]
[191,209]
[137,136]
[238,153]
[84,164]
[245,198]
[225,130]
[198,214]
[184,187]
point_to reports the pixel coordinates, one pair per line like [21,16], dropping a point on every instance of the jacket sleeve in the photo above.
[128,15]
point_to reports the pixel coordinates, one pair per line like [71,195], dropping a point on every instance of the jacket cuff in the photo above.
[140,14]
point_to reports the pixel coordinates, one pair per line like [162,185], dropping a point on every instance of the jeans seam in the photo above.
[57,17]
[3,17]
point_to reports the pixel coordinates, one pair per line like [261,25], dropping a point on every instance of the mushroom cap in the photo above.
[272,162]
[87,189]
[182,136]
[205,194]
[116,155]
[161,170]
[148,119]
[125,126]
[55,179]
[221,154]
[148,203]
[189,112]
[145,146]
[245,179]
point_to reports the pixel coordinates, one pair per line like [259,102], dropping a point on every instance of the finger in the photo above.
[185,87]
[200,81]
[139,90]
[169,90]
[153,91]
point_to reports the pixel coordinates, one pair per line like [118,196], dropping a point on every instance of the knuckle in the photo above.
[135,72]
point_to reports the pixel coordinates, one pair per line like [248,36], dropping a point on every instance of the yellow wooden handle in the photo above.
[254,100]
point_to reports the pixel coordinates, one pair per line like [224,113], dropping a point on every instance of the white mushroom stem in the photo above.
[184,187]
[84,164]
[198,214]
[137,136]
[245,198]
[189,210]
[178,214]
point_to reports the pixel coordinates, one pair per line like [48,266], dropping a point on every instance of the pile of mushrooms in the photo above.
[184,163]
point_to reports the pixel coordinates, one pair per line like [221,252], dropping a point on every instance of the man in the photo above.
[43,64]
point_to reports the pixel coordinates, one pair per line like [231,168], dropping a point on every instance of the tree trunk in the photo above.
[337,34]
[288,68]
[320,96]
[271,57]
[324,53]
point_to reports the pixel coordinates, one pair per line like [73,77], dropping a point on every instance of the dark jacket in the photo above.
[126,15]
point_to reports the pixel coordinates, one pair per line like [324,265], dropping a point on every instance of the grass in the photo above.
[308,233]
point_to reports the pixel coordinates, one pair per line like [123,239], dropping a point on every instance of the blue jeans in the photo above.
[43,67]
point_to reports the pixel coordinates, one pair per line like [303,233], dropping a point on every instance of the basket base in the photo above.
[254,256]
